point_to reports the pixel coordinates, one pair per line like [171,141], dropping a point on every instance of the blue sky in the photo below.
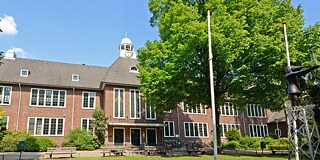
[83,31]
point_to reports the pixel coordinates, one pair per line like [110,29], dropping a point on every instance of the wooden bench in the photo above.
[61,151]
[281,149]
[118,151]
[136,150]
[151,150]
[193,151]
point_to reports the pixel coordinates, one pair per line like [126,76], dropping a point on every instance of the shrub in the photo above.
[232,145]
[233,135]
[11,140]
[39,144]
[249,143]
[81,139]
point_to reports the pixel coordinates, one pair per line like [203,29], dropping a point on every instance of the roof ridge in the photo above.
[61,62]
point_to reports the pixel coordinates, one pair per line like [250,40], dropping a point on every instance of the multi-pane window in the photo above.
[150,114]
[228,109]
[198,109]
[118,106]
[5,95]
[195,129]
[46,126]
[135,106]
[257,130]
[47,97]
[255,110]
[168,129]
[87,123]
[88,100]
[226,127]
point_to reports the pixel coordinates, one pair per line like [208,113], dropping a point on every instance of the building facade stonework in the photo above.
[51,98]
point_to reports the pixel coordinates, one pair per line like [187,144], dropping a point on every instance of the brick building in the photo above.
[50,98]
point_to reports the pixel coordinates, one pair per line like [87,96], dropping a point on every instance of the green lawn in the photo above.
[220,157]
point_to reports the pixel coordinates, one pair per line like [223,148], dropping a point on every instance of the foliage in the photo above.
[99,124]
[10,141]
[269,140]
[3,126]
[81,139]
[249,143]
[232,145]
[233,135]
[39,144]
[248,52]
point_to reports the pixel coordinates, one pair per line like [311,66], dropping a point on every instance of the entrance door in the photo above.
[135,137]
[151,137]
[118,137]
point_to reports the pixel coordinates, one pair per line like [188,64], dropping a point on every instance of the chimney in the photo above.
[10,55]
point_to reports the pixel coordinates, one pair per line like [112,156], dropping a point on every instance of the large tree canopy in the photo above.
[248,51]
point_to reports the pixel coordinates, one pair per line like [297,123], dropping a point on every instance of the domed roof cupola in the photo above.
[127,49]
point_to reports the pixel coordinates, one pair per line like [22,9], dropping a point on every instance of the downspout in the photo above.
[73,90]
[178,123]
[19,106]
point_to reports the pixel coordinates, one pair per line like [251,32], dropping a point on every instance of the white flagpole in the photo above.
[213,108]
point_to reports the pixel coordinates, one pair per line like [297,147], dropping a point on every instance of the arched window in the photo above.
[134,69]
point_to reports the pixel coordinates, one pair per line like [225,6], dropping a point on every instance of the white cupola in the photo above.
[10,55]
[127,49]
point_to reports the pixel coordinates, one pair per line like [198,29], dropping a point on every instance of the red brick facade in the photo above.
[105,99]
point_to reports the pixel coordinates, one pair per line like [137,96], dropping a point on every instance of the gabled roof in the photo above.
[48,73]
[277,116]
[119,72]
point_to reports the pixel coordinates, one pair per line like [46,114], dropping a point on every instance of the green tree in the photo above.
[99,124]
[248,52]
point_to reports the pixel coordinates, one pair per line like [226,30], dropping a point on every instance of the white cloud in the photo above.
[20,52]
[8,26]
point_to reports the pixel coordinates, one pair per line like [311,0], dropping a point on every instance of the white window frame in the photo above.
[193,124]
[155,132]
[94,100]
[24,71]
[168,124]
[44,100]
[140,135]
[75,77]
[49,129]
[136,115]
[228,107]
[251,111]
[263,129]
[188,110]
[150,113]
[228,127]
[88,123]
[124,135]
[167,111]
[3,94]
[132,70]
[119,102]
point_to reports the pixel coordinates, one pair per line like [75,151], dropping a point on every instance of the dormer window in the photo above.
[75,77]
[134,69]
[24,73]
